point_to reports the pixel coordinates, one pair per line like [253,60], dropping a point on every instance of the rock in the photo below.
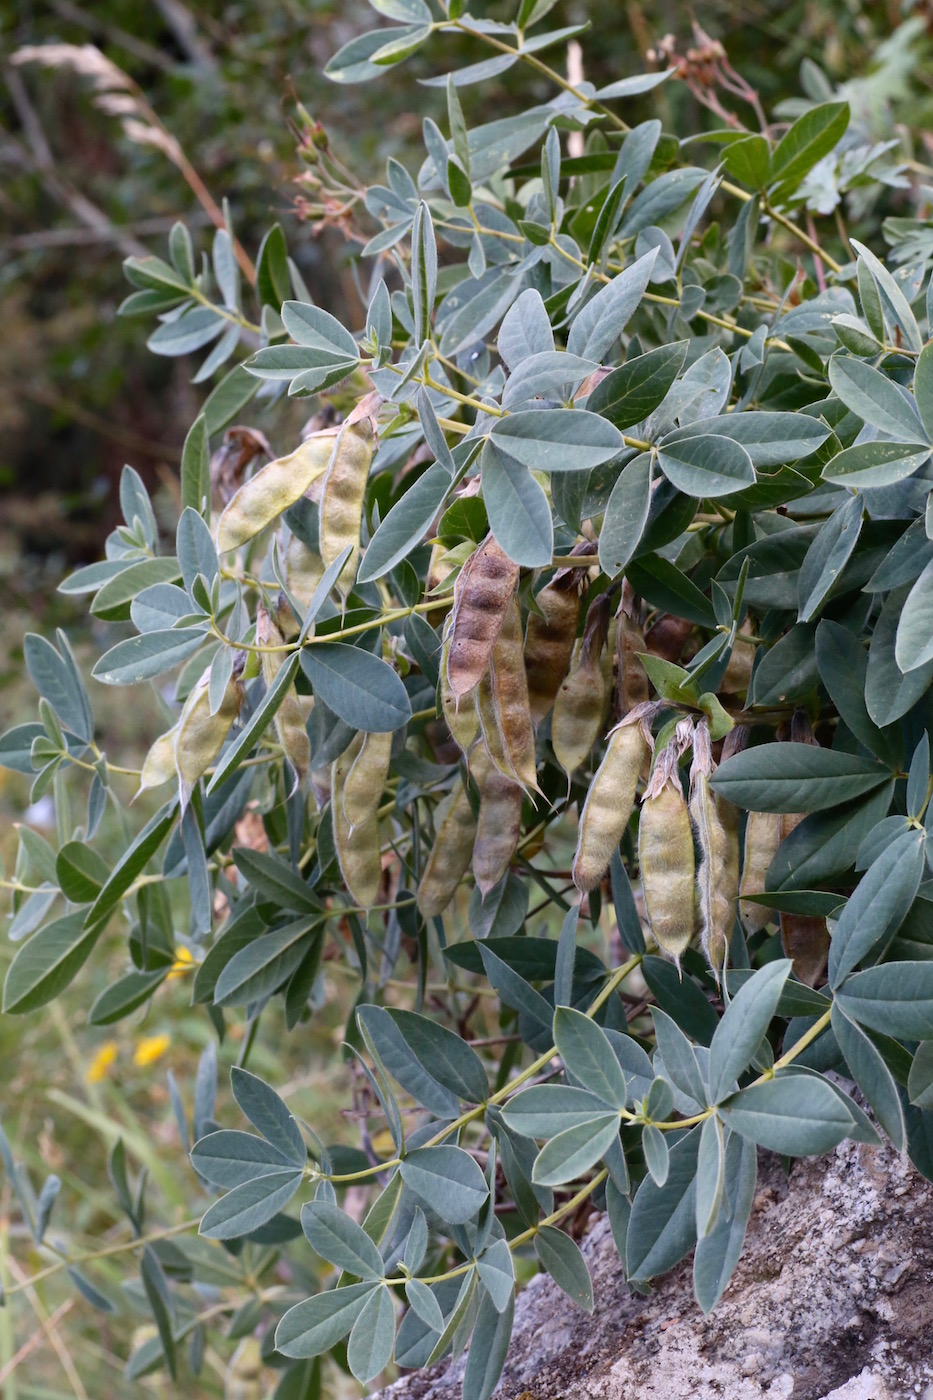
[830,1301]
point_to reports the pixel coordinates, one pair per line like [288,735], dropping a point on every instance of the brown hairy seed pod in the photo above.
[463,718]
[665,856]
[762,838]
[498,827]
[631,677]
[272,489]
[610,800]
[509,690]
[366,779]
[343,492]
[805,940]
[549,641]
[667,637]
[729,816]
[358,852]
[581,701]
[482,592]
[716,894]
[455,831]
[199,735]
[289,719]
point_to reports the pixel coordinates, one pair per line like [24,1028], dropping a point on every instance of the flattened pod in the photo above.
[200,735]
[549,642]
[665,855]
[272,489]
[509,687]
[580,707]
[631,677]
[367,777]
[342,497]
[805,939]
[450,855]
[762,838]
[463,719]
[609,804]
[482,593]
[358,851]
[289,719]
[717,907]
[303,570]
[493,747]
[159,763]
[497,830]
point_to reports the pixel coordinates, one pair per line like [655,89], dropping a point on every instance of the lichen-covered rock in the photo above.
[832,1300]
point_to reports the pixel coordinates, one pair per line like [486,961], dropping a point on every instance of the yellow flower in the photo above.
[149,1049]
[103,1059]
[183,964]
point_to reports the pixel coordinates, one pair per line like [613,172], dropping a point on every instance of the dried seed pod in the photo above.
[509,690]
[665,855]
[358,851]
[805,939]
[667,637]
[716,894]
[366,779]
[463,718]
[482,592]
[580,706]
[738,672]
[275,487]
[200,735]
[549,641]
[342,496]
[610,802]
[498,828]
[762,838]
[159,763]
[289,719]
[455,831]
[304,569]
[631,677]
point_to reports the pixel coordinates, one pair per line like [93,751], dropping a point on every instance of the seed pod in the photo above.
[762,838]
[358,852]
[498,828]
[367,777]
[738,672]
[667,636]
[450,856]
[243,1380]
[665,855]
[482,592]
[610,802]
[631,677]
[289,719]
[462,719]
[509,690]
[159,763]
[303,570]
[343,494]
[549,641]
[200,735]
[580,706]
[716,895]
[272,489]
[805,939]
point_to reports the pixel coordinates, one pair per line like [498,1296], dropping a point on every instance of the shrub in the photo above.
[622,488]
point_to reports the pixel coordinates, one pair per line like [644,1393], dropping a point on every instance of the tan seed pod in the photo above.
[549,642]
[493,748]
[717,895]
[609,803]
[159,763]
[805,939]
[304,569]
[738,672]
[463,718]
[509,690]
[631,677]
[580,707]
[482,592]
[455,831]
[667,637]
[271,490]
[498,829]
[200,735]
[366,779]
[358,851]
[342,496]
[290,718]
[762,838]
[665,856]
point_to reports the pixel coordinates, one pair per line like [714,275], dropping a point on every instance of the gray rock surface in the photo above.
[832,1300]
